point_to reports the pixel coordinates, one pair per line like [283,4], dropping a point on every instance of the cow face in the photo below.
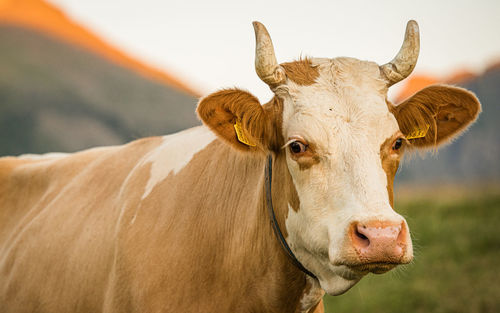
[342,142]
[343,146]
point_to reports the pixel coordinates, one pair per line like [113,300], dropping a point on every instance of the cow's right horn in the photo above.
[404,62]
[266,65]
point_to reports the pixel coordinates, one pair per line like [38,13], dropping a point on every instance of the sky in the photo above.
[210,44]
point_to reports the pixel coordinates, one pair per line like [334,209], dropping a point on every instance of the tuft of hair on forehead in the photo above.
[302,72]
[358,73]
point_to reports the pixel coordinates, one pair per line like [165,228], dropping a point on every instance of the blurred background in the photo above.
[77,74]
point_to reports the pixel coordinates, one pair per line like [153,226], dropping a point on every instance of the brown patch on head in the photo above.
[301,72]
[306,159]
[390,163]
[291,193]
[274,111]
[308,163]
[284,191]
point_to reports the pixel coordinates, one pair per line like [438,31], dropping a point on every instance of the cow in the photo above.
[263,208]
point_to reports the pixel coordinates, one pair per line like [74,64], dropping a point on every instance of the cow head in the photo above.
[342,141]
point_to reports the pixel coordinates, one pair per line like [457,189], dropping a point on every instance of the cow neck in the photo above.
[274,222]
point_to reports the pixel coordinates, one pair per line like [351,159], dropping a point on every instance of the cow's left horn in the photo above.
[404,62]
[266,65]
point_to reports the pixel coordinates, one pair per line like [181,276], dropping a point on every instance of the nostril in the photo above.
[403,232]
[360,235]
[360,239]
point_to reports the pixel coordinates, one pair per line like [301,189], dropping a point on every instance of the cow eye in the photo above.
[397,144]
[297,147]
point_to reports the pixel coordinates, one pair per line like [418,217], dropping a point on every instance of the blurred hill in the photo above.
[474,157]
[58,94]
[46,18]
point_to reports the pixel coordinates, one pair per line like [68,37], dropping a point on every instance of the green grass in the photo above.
[457,254]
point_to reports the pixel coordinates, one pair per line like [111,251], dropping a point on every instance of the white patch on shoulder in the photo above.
[175,152]
[312,297]
[51,155]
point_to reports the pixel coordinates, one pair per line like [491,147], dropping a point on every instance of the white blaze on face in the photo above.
[174,153]
[345,118]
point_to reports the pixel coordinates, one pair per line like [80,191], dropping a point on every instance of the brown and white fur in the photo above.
[179,223]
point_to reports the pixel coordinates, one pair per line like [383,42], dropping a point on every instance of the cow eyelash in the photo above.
[294,139]
[296,145]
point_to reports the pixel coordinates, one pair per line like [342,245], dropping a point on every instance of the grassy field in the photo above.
[456,265]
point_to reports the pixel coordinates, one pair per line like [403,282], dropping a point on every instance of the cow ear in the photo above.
[237,117]
[436,114]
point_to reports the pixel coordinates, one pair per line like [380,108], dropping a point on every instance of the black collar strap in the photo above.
[274,222]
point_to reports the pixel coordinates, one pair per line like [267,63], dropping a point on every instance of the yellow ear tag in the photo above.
[418,133]
[241,136]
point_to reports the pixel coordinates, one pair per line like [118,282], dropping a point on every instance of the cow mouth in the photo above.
[375,268]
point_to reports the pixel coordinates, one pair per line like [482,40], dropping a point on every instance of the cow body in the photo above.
[142,228]
[181,223]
